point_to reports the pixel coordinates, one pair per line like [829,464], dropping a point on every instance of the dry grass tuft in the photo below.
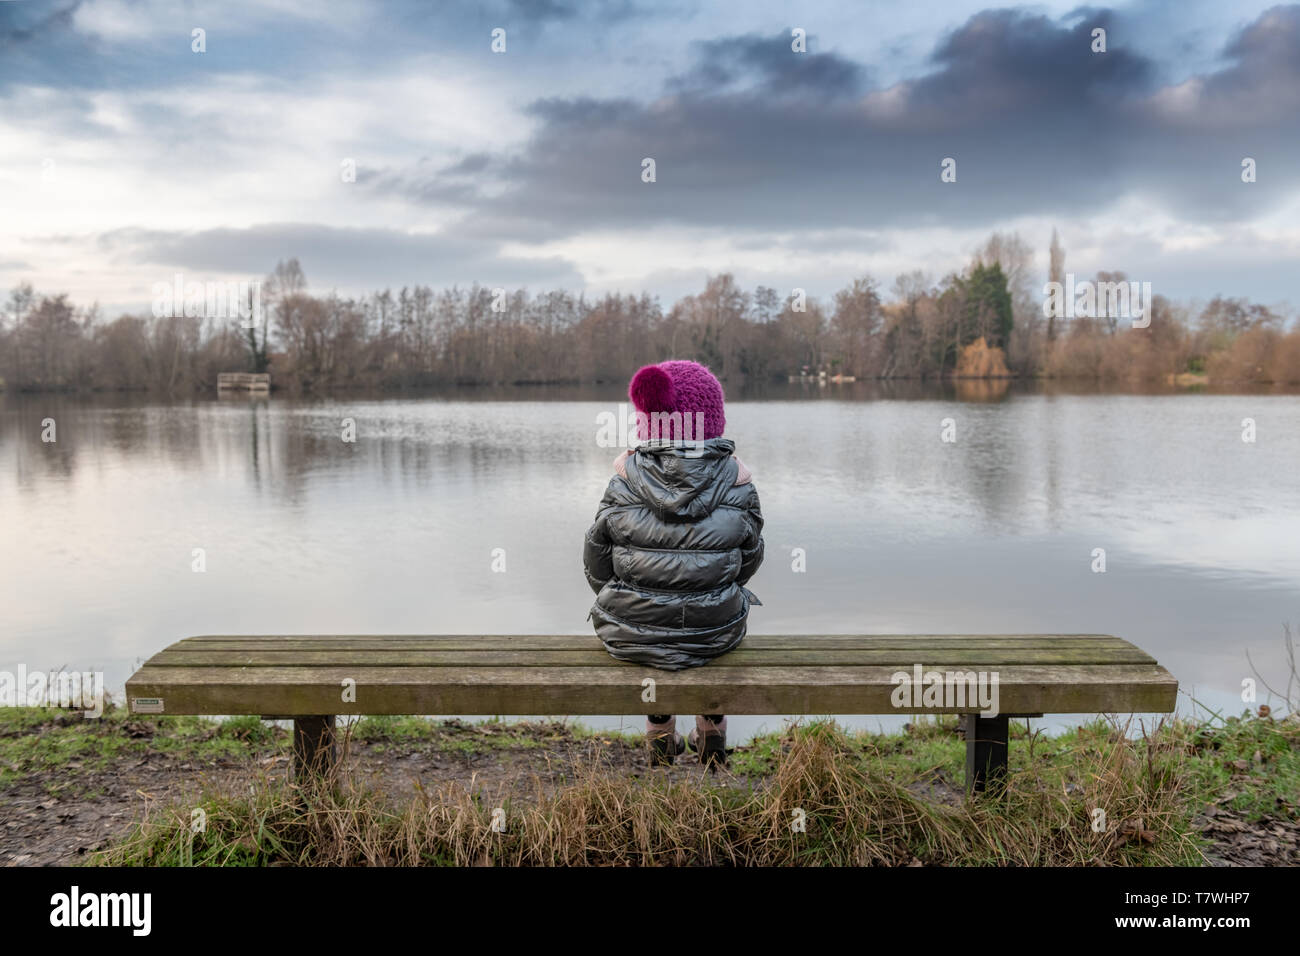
[854,810]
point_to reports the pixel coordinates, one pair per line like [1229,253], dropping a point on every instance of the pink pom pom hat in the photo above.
[678,400]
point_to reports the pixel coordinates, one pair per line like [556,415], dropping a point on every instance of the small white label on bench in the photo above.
[147,705]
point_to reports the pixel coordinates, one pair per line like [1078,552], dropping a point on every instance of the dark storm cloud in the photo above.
[349,258]
[1006,60]
[767,65]
[1264,79]
[1187,149]
[1038,124]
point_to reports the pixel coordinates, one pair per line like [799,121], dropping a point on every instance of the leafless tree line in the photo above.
[421,337]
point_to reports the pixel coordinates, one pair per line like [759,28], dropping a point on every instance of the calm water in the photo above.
[903,533]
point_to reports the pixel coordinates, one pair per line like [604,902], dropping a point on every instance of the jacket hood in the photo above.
[682,479]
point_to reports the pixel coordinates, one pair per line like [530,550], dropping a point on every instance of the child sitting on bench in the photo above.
[677,536]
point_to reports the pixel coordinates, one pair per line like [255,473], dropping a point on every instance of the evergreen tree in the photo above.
[987,307]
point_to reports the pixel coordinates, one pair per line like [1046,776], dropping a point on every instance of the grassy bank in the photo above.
[417,792]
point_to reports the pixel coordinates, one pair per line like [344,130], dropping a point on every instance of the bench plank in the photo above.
[597,657]
[614,689]
[568,641]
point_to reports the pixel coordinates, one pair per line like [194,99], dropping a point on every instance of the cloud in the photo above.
[1037,122]
[119,20]
[561,11]
[1263,83]
[145,44]
[351,259]
[770,67]
[785,168]
[1007,62]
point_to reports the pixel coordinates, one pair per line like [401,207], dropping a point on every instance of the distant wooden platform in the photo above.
[246,381]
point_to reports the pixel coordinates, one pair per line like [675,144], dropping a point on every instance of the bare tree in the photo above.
[856,321]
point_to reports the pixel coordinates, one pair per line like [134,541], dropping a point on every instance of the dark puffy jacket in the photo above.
[672,546]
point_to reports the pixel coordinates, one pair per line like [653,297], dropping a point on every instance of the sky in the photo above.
[127,157]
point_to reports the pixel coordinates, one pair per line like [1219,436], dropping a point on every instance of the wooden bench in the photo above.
[310,679]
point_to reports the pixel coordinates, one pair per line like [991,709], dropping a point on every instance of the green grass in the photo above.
[488,743]
[39,741]
[757,758]
[1239,755]
[482,737]
[385,727]
[50,742]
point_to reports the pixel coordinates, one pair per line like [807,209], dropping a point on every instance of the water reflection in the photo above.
[982,390]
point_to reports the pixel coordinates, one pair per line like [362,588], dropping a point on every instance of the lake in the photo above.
[903,532]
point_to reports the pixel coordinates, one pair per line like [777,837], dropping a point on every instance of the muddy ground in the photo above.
[59,818]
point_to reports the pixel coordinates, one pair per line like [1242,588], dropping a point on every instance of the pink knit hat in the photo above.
[681,387]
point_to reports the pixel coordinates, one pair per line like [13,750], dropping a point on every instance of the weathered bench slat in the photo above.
[597,657]
[291,691]
[584,640]
[590,642]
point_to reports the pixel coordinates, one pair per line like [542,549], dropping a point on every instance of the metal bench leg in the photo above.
[986,752]
[314,749]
